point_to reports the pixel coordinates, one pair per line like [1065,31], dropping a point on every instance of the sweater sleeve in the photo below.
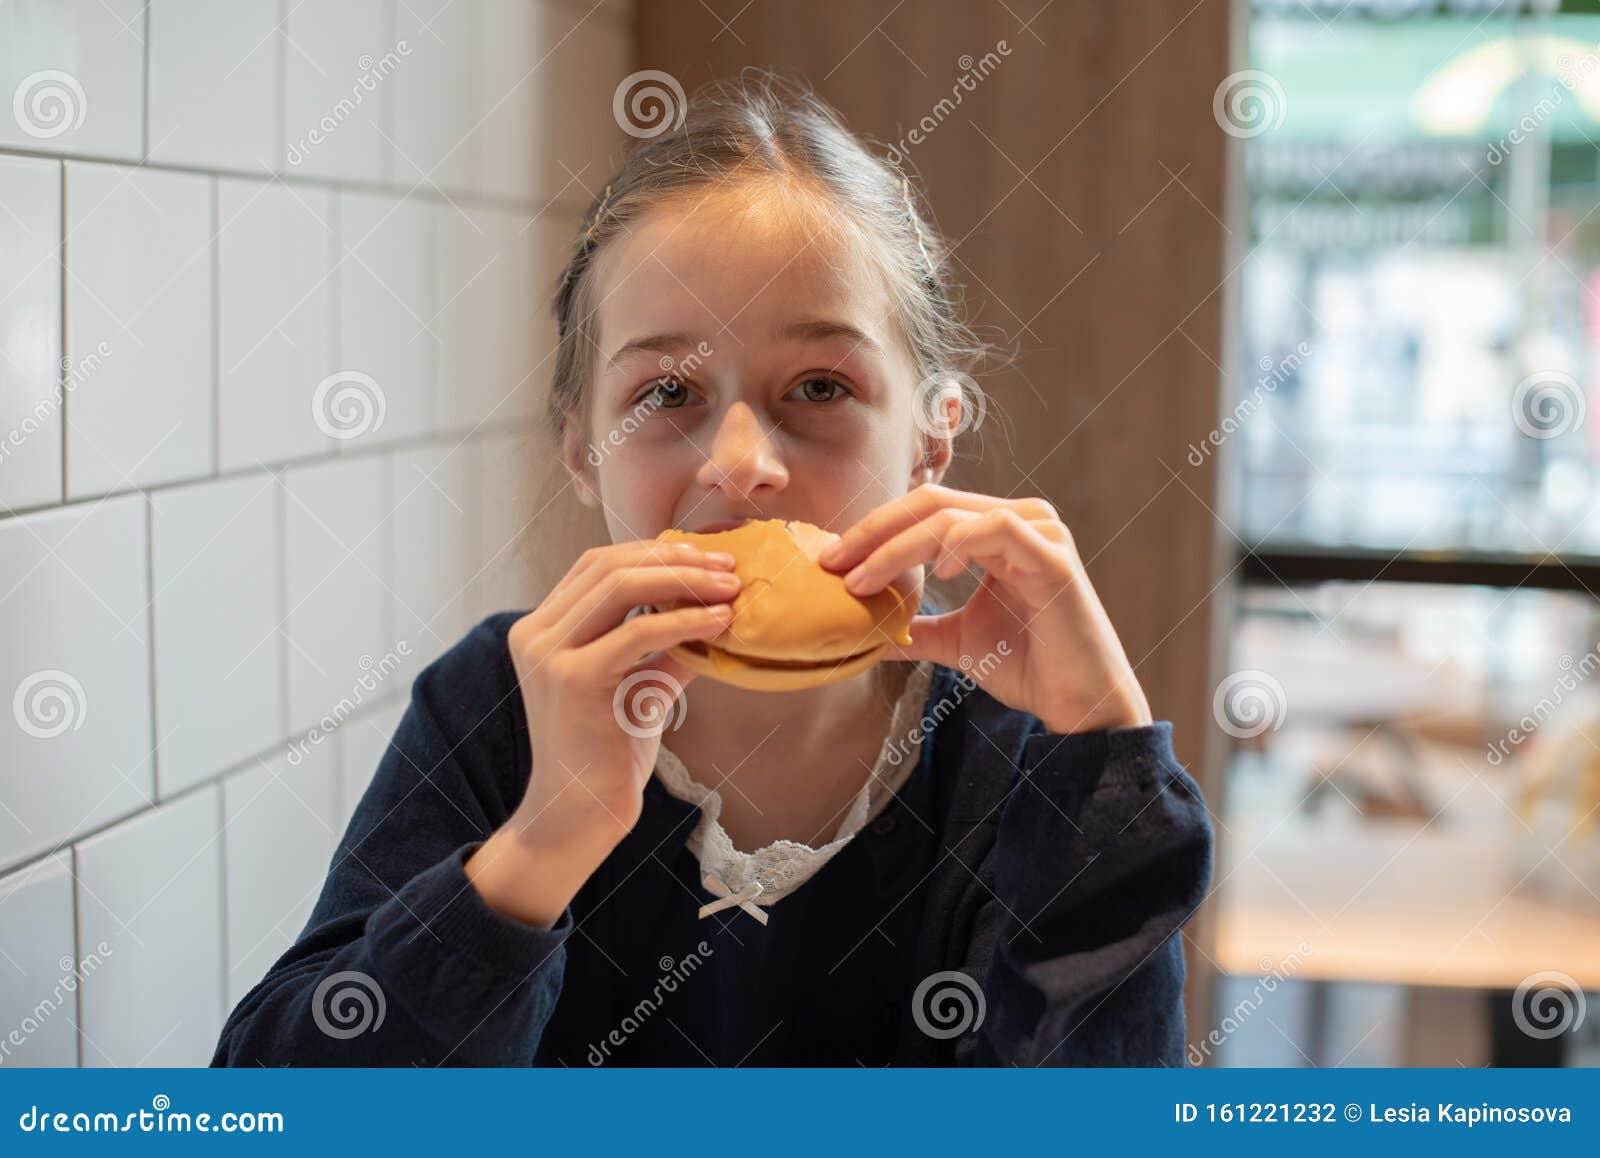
[402,962]
[1103,851]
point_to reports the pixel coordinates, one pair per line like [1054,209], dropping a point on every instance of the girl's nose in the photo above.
[744,457]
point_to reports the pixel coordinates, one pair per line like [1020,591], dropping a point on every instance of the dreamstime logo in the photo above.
[1273,375]
[1573,74]
[1249,103]
[965,683]
[673,973]
[367,82]
[1548,1004]
[1548,404]
[647,703]
[72,972]
[49,103]
[1274,974]
[74,375]
[674,371]
[351,999]
[649,103]
[48,703]
[972,71]
[348,404]
[930,404]
[947,1004]
[1573,673]
[373,673]
[1525,127]
[1249,703]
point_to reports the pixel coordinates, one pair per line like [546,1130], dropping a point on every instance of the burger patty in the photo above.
[699,648]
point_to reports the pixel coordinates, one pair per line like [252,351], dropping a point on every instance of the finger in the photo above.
[922,542]
[604,607]
[999,539]
[619,650]
[896,516]
[582,576]
[593,565]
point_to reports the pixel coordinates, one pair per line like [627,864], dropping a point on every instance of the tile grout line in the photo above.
[222,903]
[149,511]
[440,437]
[281,521]
[64,361]
[31,861]
[280,36]
[215,311]
[538,204]
[73,867]
[144,91]
[388,107]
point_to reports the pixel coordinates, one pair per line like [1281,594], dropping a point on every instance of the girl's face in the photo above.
[747,365]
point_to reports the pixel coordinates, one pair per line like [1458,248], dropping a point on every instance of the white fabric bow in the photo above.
[745,898]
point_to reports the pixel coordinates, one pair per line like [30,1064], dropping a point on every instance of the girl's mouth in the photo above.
[717,525]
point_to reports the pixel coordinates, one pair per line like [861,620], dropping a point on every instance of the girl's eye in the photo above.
[667,393]
[817,389]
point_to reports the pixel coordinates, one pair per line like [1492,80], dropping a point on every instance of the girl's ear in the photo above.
[578,460]
[936,454]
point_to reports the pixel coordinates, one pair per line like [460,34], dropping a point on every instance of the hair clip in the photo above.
[588,234]
[911,211]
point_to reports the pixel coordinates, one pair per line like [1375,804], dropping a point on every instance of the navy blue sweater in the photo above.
[1017,902]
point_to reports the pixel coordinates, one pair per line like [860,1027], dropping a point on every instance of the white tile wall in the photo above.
[275,289]
[39,999]
[150,888]
[214,83]
[514,38]
[387,329]
[30,338]
[78,66]
[219,660]
[435,558]
[335,589]
[490,271]
[75,750]
[139,293]
[280,819]
[337,88]
[508,502]
[436,95]
[202,547]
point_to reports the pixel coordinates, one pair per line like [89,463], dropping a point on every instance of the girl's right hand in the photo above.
[597,701]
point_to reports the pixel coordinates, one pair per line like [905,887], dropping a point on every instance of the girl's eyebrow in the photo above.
[813,330]
[823,329]
[657,343]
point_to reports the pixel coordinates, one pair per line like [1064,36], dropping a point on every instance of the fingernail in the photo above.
[721,558]
[853,581]
[830,553]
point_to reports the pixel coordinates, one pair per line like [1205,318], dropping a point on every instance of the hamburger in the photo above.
[794,624]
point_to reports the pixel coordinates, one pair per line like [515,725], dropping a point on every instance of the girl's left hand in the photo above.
[1062,661]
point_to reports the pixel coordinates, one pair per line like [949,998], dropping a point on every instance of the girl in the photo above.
[977,854]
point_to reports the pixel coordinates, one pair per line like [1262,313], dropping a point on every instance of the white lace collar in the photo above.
[767,875]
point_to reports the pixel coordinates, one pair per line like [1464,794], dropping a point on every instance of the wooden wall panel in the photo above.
[1082,185]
